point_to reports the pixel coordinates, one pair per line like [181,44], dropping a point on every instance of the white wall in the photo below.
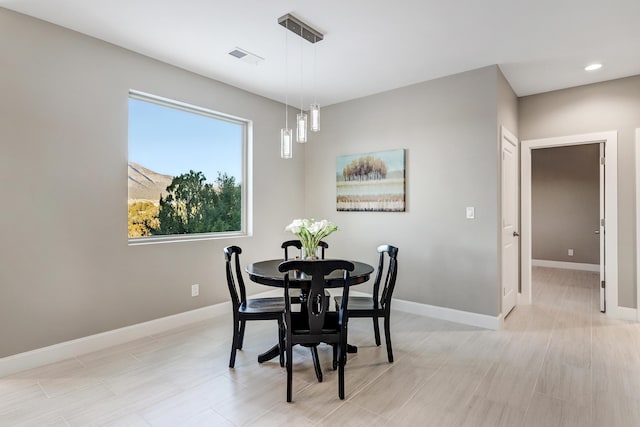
[66,270]
[612,105]
[448,127]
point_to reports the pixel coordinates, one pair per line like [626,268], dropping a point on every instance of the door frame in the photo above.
[610,139]
[638,223]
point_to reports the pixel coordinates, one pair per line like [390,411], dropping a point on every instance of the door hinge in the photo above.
[603,284]
[601,222]
[504,292]
[602,160]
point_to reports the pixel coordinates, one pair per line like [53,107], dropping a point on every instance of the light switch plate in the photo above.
[471,212]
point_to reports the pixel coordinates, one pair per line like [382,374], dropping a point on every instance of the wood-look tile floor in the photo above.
[558,362]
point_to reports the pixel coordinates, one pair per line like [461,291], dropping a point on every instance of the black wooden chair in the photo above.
[315,324]
[297,244]
[249,309]
[380,305]
[295,293]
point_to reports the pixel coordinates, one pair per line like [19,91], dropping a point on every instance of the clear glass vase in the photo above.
[310,254]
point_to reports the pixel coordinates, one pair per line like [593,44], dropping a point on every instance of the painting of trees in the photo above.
[371,182]
[365,168]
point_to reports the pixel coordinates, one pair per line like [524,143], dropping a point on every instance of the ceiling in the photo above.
[369,46]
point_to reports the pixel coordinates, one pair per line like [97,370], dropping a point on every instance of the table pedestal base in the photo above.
[269,354]
[274,352]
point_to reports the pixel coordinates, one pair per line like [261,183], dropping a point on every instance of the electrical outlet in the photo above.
[570,252]
[195,290]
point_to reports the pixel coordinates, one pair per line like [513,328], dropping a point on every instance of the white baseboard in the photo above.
[450,314]
[624,313]
[565,265]
[65,350]
[443,313]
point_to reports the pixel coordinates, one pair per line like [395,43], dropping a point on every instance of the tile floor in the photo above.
[558,362]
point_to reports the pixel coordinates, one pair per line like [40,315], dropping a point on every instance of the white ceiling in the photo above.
[370,46]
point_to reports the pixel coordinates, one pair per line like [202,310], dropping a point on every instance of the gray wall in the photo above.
[565,203]
[507,108]
[66,270]
[448,128]
[612,105]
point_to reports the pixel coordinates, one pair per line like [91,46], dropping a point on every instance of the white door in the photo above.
[510,244]
[601,232]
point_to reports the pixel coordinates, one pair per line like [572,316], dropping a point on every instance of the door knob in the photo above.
[516,234]
[596,232]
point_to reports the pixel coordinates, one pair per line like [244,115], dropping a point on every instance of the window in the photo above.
[186,172]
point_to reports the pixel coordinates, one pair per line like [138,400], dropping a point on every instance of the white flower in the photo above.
[295,226]
[315,228]
[310,232]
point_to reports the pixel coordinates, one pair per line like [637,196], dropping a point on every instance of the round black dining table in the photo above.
[266,273]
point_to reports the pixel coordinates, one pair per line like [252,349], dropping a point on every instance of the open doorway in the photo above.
[566,208]
[608,257]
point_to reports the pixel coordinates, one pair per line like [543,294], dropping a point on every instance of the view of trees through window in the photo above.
[185,169]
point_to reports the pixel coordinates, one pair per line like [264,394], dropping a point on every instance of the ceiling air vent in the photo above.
[246,56]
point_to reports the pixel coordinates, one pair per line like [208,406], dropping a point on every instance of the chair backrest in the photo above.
[317,303]
[234,276]
[383,297]
[298,244]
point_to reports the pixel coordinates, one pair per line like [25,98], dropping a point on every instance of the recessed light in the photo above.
[593,67]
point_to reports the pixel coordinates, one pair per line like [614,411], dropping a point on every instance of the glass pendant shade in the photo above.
[314,111]
[301,133]
[286,143]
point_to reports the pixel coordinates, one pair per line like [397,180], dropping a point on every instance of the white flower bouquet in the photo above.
[310,232]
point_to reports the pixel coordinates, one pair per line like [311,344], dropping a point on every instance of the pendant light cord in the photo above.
[315,70]
[301,75]
[286,77]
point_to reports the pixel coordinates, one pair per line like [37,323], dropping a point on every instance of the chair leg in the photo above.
[341,363]
[376,330]
[234,345]
[241,334]
[289,371]
[387,334]
[316,362]
[281,341]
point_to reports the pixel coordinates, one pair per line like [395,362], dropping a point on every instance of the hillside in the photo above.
[145,184]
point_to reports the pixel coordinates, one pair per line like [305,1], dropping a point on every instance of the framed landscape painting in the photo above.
[373,182]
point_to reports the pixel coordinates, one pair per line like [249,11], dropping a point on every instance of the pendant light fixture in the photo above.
[313,36]
[301,130]
[286,137]
[286,141]
[314,109]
